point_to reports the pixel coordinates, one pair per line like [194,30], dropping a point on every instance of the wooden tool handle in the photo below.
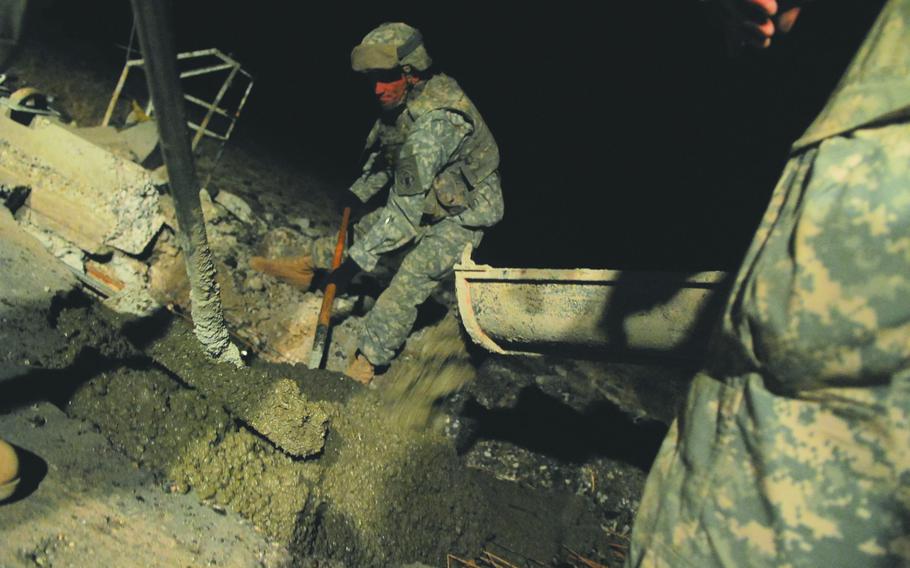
[325,312]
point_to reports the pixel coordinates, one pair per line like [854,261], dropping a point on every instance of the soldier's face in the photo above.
[390,87]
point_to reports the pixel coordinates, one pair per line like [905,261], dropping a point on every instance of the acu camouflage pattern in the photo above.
[793,448]
[440,162]
[379,49]
[388,324]
[438,146]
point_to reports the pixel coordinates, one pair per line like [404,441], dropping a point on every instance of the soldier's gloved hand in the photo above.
[755,22]
[343,275]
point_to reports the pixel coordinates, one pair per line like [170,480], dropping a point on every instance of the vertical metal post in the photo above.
[154,28]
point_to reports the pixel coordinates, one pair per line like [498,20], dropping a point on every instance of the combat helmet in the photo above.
[391,45]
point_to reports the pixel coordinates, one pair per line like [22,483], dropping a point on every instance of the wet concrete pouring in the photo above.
[389,486]
[452,453]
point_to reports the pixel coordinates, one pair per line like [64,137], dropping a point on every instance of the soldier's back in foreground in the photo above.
[793,448]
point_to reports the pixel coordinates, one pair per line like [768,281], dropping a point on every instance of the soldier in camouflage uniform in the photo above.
[434,154]
[793,448]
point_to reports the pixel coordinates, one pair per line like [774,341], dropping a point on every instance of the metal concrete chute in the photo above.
[521,311]
[79,191]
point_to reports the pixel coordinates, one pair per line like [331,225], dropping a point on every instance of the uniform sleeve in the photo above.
[375,174]
[434,139]
[372,181]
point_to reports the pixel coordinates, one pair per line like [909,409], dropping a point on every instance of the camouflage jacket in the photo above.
[439,160]
[793,447]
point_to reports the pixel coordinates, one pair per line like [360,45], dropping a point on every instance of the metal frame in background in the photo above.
[212,108]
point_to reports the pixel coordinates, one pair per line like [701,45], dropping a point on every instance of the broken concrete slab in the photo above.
[80,190]
[39,276]
[168,282]
[236,206]
[134,301]
[106,137]
[141,138]
[134,143]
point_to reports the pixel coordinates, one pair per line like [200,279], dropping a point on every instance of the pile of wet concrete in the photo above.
[317,462]
[451,453]
[333,470]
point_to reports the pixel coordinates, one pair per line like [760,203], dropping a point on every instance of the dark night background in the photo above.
[629,138]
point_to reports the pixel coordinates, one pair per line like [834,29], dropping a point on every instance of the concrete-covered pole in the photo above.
[154,28]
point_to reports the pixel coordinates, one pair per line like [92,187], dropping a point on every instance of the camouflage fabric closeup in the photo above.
[438,161]
[389,322]
[793,448]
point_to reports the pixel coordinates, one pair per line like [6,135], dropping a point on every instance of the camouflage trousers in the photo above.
[424,266]
[793,448]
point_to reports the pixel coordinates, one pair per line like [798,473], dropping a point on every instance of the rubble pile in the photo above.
[111,221]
